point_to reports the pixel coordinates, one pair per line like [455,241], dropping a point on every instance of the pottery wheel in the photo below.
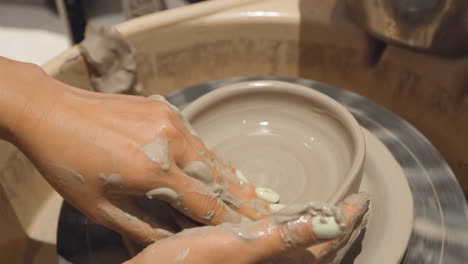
[440,221]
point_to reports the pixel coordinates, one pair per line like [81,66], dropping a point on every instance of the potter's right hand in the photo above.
[100,151]
[271,240]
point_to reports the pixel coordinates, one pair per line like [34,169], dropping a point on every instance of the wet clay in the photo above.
[158,152]
[209,216]
[267,194]
[259,207]
[241,177]
[113,179]
[110,60]
[165,194]
[328,230]
[69,172]
[321,209]
[200,171]
[276,207]
[325,227]
[239,230]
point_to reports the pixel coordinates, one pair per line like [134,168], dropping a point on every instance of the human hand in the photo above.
[100,151]
[280,238]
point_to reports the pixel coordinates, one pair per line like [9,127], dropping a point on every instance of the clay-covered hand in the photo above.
[281,238]
[99,151]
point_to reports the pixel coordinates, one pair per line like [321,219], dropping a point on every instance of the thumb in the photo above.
[303,226]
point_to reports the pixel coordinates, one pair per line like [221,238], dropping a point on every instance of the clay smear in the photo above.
[241,177]
[158,152]
[70,172]
[276,207]
[113,179]
[165,194]
[200,171]
[320,209]
[267,194]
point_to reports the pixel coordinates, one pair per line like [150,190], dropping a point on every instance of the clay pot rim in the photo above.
[318,100]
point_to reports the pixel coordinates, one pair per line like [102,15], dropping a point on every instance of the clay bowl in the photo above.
[283,136]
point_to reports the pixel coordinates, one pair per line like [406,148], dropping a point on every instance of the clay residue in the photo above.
[110,60]
[241,177]
[209,216]
[70,173]
[291,237]
[224,172]
[165,194]
[229,199]
[113,179]
[258,206]
[200,171]
[267,194]
[240,231]
[293,212]
[158,152]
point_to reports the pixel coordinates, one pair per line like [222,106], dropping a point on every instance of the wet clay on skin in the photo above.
[158,152]
[263,193]
[241,177]
[113,179]
[328,221]
[69,172]
[324,226]
[200,171]
[165,194]
[240,231]
[276,207]
[267,194]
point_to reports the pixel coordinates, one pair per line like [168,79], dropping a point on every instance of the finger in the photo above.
[183,221]
[308,229]
[202,202]
[248,243]
[238,194]
[125,217]
[273,236]
[355,208]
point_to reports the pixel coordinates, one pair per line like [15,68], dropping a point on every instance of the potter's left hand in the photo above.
[100,151]
[267,241]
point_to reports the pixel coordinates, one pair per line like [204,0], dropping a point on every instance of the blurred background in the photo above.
[53,25]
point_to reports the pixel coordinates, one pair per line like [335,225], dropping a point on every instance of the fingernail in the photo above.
[325,227]
[267,195]
[360,199]
[276,207]
[241,176]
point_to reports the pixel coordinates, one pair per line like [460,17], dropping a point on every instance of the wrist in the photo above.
[25,92]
